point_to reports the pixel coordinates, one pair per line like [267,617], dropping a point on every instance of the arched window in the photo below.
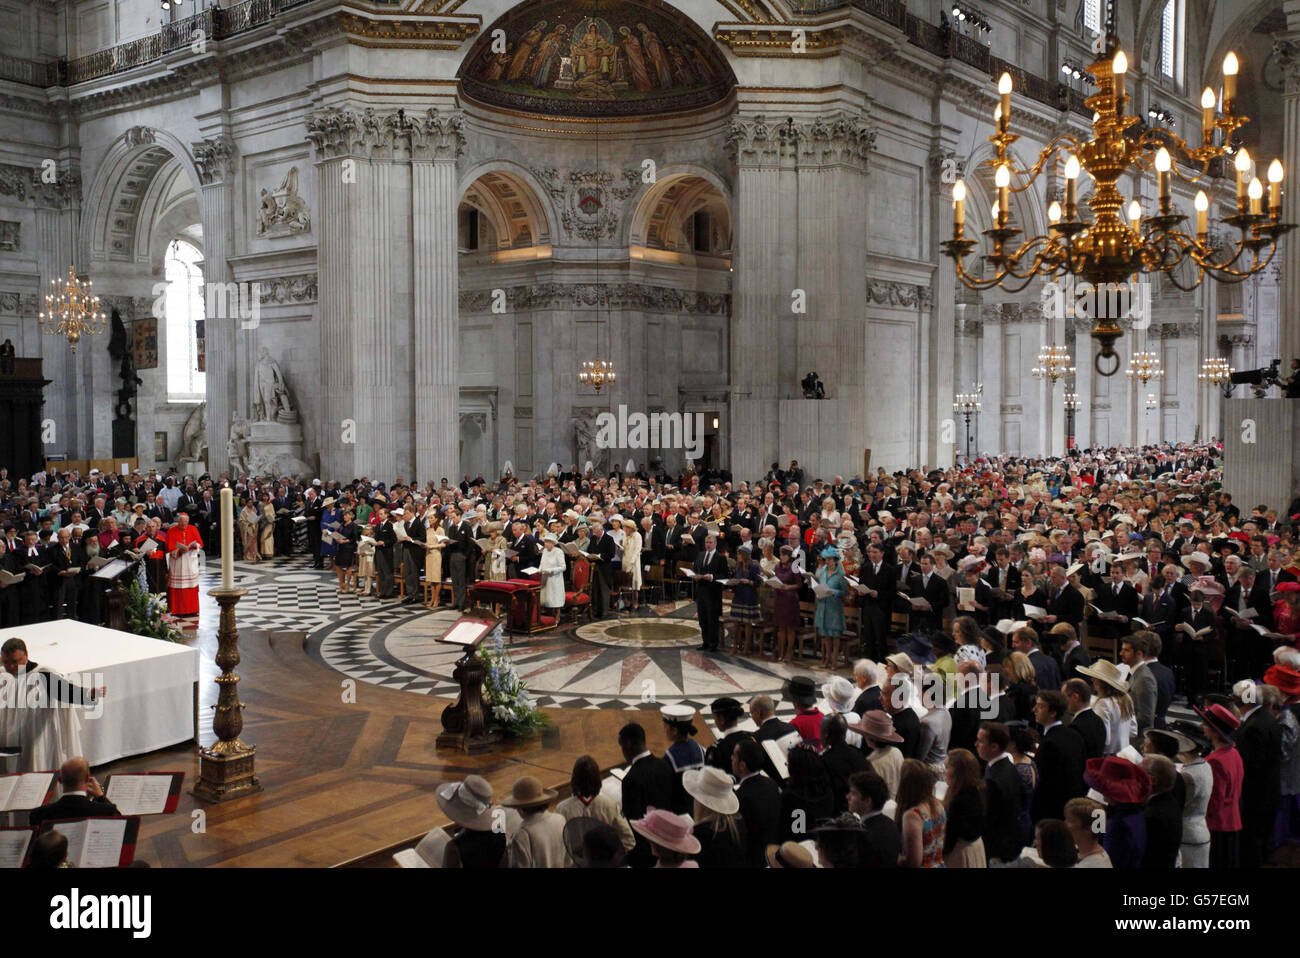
[184,309]
[1092,15]
[1172,29]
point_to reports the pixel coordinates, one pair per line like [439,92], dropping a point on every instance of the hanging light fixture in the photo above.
[1107,251]
[72,309]
[597,372]
[1144,367]
[1053,364]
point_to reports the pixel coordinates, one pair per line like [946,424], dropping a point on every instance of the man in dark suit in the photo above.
[1047,672]
[1002,838]
[385,553]
[983,604]
[1163,815]
[868,794]
[727,713]
[1166,684]
[762,710]
[1073,655]
[880,579]
[1002,576]
[529,553]
[82,797]
[760,801]
[929,585]
[312,508]
[1064,602]
[32,559]
[1196,618]
[1078,695]
[66,555]
[1259,743]
[1160,604]
[413,553]
[457,551]
[602,548]
[1060,758]
[710,569]
[648,784]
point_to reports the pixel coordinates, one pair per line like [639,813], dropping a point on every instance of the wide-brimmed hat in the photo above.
[662,827]
[467,803]
[1283,678]
[802,690]
[329,501]
[1181,742]
[789,855]
[919,648]
[1220,718]
[1107,672]
[713,788]
[878,726]
[1196,558]
[550,537]
[1119,780]
[528,791]
[1288,587]
[901,662]
[576,831]
[840,694]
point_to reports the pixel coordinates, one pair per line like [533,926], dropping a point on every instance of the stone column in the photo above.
[941,358]
[215,160]
[58,224]
[758,298]
[436,301]
[1287,48]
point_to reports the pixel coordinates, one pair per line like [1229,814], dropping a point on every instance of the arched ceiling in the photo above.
[595,58]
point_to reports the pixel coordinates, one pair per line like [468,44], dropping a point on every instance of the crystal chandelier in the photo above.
[1106,251]
[1053,364]
[1144,367]
[1215,371]
[596,373]
[71,309]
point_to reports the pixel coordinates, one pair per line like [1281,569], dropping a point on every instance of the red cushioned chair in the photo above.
[578,600]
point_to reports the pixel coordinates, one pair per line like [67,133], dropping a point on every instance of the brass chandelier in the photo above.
[1106,251]
[72,309]
[1053,364]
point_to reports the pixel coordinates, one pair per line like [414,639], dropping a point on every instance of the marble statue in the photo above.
[282,210]
[584,435]
[194,438]
[237,445]
[271,402]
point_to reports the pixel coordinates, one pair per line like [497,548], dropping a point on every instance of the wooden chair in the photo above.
[765,628]
[577,601]
[653,582]
[807,630]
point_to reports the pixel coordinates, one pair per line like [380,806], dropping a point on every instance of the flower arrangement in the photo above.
[511,708]
[146,614]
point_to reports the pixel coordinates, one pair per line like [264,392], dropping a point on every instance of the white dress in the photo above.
[1119,730]
[632,558]
[552,568]
[1195,849]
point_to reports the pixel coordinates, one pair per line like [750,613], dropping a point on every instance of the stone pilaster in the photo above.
[1288,50]
[434,202]
[58,223]
[215,161]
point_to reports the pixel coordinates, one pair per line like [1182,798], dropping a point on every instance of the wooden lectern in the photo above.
[464,723]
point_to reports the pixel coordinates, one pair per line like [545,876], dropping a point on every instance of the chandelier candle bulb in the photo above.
[1230,67]
[1163,164]
[1004,88]
[958,207]
[1202,213]
[1256,193]
[1119,67]
[1071,186]
[1275,188]
[1054,212]
[1243,167]
[1208,102]
[1135,214]
[1002,179]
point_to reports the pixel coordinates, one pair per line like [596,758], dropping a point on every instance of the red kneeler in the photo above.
[522,600]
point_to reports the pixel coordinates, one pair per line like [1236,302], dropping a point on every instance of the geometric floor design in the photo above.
[602,665]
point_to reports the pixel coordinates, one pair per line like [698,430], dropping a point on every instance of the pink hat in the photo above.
[662,827]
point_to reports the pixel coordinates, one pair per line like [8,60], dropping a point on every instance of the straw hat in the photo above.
[789,855]
[713,788]
[527,791]
[840,694]
[662,827]
[467,803]
[1197,558]
[1105,671]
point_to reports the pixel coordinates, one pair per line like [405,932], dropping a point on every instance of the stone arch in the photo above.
[510,196]
[1233,36]
[1029,213]
[657,216]
[110,226]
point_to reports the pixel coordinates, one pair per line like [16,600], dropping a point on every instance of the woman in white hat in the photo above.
[1112,705]
[631,559]
[717,821]
[552,567]
[481,839]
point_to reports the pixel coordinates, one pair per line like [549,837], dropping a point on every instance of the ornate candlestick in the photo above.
[226,767]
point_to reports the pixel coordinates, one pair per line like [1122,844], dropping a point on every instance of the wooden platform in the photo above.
[343,781]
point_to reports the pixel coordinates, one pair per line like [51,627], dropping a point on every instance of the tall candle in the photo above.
[1119,66]
[227,539]
[1275,187]
[1230,68]
[1243,167]
[1202,214]
[1208,103]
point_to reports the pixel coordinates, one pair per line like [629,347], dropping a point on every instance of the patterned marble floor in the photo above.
[620,663]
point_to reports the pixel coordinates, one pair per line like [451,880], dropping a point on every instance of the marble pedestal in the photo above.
[194,469]
[275,448]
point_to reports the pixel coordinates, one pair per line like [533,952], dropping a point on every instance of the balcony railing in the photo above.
[222,23]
